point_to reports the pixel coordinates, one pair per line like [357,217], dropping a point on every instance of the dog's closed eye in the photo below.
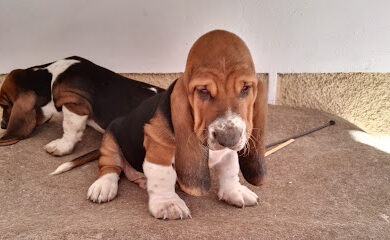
[245,91]
[204,94]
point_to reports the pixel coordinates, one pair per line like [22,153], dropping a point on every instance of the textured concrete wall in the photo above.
[159,79]
[361,98]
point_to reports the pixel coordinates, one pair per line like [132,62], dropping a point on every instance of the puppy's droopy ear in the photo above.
[3,101]
[191,158]
[252,164]
[22,120]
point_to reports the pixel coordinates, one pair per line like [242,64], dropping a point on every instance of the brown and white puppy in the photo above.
[212,117]
[86,93]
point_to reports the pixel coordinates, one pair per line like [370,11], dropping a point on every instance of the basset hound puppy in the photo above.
[86,93]
[211,117]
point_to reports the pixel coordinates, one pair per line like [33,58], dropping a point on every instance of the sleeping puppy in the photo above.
[86,93]
[211,117]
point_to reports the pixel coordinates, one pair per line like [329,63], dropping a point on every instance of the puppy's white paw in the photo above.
[104,188]
[239,196]
[168,207]
[59,147]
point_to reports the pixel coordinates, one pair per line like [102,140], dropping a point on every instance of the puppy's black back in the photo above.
[128,130]
[110,94]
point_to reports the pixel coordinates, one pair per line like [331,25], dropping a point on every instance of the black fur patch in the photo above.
[129,130]
[38,81]
[165,105]
[110,94]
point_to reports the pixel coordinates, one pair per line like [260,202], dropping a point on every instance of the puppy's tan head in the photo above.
[226,103]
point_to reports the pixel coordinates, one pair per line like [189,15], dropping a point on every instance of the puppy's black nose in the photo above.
[3,125]
[228,137]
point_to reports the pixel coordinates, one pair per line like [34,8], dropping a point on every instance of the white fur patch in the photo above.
[95,126]
[164,203]
[230,190]
[49,110]
[55,69]
[59,67]
[74,126]
[232,119]
[63,168]
[104,188]
[153,89]
[216,156]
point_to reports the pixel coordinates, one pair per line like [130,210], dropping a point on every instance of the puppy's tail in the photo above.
[88,157]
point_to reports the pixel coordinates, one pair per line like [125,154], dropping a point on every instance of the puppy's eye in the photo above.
[245,91]
[204,94]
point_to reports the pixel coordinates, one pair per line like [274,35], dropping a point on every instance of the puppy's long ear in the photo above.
[252,164]
[22,120]
[191,158]
[3,102]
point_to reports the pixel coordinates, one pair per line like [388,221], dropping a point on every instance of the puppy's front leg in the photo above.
[230,189]
[73,126]
[160,176]
[164,202]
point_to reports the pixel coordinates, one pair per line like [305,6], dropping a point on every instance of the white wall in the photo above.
[155,36]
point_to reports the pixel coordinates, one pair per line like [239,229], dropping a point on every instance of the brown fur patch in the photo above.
[220,63]
[9,91]
[73,99]
[111,159]
[8,94]
[7,142]
[191,157]
[20,113]
[159,141]
[252,164]
[23,116]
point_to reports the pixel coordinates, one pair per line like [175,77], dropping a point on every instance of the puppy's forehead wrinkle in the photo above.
[222,69]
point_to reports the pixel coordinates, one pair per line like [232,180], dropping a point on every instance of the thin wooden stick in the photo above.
[280,146]
[330,123]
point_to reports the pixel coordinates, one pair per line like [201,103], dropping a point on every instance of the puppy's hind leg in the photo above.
[105,188]
[133,175]
[73,126]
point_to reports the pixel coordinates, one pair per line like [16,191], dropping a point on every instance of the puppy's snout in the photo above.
[228,137]
[3,125]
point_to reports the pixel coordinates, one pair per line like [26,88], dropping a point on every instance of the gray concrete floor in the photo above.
[323,186]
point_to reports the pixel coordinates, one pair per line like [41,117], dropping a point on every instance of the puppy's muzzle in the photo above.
[228,137]
[3,125]
[227,131]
